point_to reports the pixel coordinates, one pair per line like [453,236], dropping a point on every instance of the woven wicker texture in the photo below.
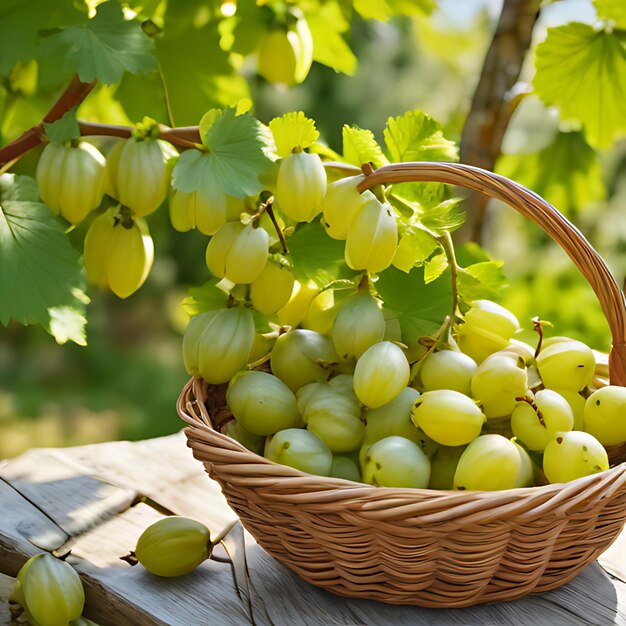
[426,547]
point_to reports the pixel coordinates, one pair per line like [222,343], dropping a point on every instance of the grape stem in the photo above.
[534,407]
[538,328]
[279,232]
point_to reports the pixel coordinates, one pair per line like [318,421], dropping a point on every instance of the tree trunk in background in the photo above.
[492,104]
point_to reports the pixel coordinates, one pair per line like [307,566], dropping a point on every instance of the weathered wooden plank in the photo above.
[613,560]
[6,586]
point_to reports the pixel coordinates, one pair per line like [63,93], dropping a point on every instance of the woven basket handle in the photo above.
[532,206]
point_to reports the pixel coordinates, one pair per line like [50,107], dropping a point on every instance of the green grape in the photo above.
[536,422]
[448,417]
[489,463]
[372,237]
[343,381]
[262,346]
[302,450]
[321,312]
[341,203]
[605,415]
[49,590]
[576,403]
[396,462]
[301,186]
[272,289]
[236,431]
[566,365]
[296,308]
[524,350]
[526,474]
[301,356]
[238,252]
[217,344]
[443,465]
[393,418]
[262,403]
[359,325]
[573,455]
[173,546]
[448,369]
[499,379]
[197,210]
[381,373]
[345,467]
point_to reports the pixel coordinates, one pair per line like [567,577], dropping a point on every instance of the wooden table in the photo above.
[96,501]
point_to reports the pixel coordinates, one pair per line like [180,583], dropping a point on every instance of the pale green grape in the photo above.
[262,403]
[296,308]
[393,418]
[573,455]
[489,463]
[301,356]
[443,466]
[340,204]
[566,365]
[217,343]
[536,424]
[345,467]
[301,186]
[272,289]
[372,237]
[576,403]
[343,381]
[236,431]
[524,350]
[321,312]
[197,210]
[302,450]
[605,415]
[526,474]
[396,462]
[448,417]
[448,369]
[381,373]
[499,379]
[359,324]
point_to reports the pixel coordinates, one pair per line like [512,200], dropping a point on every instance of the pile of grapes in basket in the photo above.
[335,390]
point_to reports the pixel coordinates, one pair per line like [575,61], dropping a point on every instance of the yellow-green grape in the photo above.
[272,289]
[301,356]
[605,415]
[566,365]
[381,373]
[300,186]
[521,349]
[296,308]
[443,465]
[359,325]
[372,237]
[321,312]
[261,346]
[197,210]
[304,59]
[118,254]
[262,403]
[573,455]
[238,252]
[526,474]
[346,468]
[576,403]
[112,163]
[448,369]
[536,421]
[498,381]
[236,431]
[71,179]
[142,175]
[448,417]
[217,344]
[396,462]
[489,463]
[487,329]
[173,546]
[341,203]
[49,591]
[302,450]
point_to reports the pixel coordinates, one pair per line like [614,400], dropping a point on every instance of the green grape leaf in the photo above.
[446,216]
[315,256]
[207,297]
[415,246]
[327,24]
[481,281]
[420,307]
[435,267]
[234,160]
[104,47]
[360,146]
[64,129]
[40,273]
[416,136]
[293,130]
[614,10]
[566,172]
[384,10]
[583,72]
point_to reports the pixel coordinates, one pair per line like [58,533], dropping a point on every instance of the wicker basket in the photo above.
[425,547]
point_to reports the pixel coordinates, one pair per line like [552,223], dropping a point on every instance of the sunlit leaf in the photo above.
[293,130]
[360,146]
[481,281]
[416,245]
[614,10]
